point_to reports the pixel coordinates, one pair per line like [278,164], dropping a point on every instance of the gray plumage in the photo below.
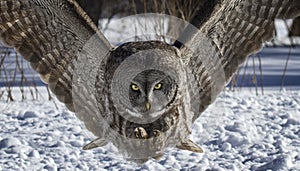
[141,109]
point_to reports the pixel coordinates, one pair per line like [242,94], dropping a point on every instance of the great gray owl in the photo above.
[141,96]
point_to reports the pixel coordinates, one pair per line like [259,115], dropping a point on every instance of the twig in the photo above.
[261,73]
[254,79]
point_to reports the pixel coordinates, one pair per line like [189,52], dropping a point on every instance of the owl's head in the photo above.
[143,80]
[151,91]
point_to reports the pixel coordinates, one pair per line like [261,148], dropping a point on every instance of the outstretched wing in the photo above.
[240,27]
[49,34]
[236,29]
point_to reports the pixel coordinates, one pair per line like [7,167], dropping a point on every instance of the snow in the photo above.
[273,61]
[240,131]
[282,31]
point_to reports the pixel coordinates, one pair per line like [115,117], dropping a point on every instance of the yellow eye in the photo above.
[134,87]
[158,86]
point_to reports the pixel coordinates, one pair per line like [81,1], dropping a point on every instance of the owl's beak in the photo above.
[148,105]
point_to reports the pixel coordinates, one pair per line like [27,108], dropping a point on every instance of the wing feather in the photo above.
[240,27]
[49,34]
[235,29]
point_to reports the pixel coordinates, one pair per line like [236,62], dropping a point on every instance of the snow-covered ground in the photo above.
[241,131]
[273,63]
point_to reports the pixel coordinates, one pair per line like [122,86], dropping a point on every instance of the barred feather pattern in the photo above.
[239,28]
[49,34]
[236,29]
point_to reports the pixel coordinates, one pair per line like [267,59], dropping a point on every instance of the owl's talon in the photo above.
[140,133]
[156,133]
